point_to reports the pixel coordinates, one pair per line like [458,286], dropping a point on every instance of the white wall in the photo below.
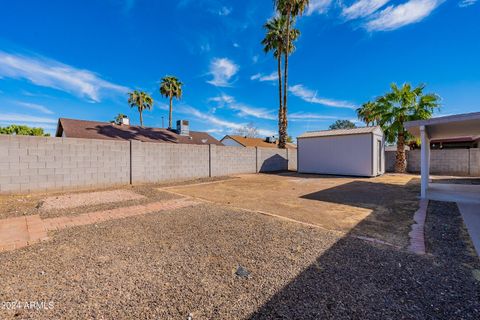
[231,143]
[341,155]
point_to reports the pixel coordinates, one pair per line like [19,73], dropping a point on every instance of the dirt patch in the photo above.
[29,204]
[381,207]
[87,199]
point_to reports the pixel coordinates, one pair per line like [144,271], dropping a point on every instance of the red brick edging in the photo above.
[19,232]
[417,235]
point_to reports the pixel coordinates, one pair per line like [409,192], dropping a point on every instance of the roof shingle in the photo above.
[72,128]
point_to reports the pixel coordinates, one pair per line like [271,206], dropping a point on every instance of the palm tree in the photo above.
[368,113]
[141,100]
[290,9]
[171,88]
[275,40]
[398,106]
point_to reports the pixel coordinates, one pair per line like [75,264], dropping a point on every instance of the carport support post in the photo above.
[425,161]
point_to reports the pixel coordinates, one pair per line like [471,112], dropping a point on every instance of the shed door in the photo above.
[379,153]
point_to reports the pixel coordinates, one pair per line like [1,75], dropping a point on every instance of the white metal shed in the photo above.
[349,152]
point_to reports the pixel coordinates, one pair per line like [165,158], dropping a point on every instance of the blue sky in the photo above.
[78,59]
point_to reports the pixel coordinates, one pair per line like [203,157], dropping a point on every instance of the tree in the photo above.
[275,40]
[368,113]
[290,9]
[118,119]
[140,100]
[171,88]
[396,107]
[23,130]
[290,139]
[249,131]
[342,124]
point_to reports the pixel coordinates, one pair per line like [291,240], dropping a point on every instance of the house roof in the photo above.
[256,142]
[104,130]
[339,132]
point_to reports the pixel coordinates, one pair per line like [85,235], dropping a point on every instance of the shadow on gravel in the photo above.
[360,280]
[392,207]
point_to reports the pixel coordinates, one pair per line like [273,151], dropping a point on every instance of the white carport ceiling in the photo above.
[459,125]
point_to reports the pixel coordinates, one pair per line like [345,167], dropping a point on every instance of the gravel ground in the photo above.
[183,262]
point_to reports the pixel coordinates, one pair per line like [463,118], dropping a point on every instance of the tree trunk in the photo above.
[400,162]
[283,132]
[170,114]
[141,118]
[280,108]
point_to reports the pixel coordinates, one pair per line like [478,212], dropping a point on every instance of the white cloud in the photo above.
[243,110]
[265,77]
[466,3]
[311,96]
[53,74]
[236,45]
[222,99]
[310,116]
[222,70]
[37,107]
[25,118]
[362,8]
[255,58]
[215,130]
[212,120]
[318,6]
[224,11]
[395,17]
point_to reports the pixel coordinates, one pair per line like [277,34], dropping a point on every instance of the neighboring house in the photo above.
[71,128]
[350,152]
[241,141]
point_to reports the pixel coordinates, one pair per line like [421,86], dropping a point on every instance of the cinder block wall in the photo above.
[232,160]
[475,162]
[292,159]
[390,161]
[269,159]
[42,163]
[47,163]
[461,162]
[154,162]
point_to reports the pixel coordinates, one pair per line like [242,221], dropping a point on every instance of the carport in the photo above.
[454,126]
[467,196]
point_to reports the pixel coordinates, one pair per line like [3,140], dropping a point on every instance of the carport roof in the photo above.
[459,125]
[339,132]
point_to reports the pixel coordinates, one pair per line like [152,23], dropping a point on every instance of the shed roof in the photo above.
[340,132]
[104,130]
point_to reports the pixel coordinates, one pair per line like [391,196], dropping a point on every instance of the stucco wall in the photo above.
[48,163]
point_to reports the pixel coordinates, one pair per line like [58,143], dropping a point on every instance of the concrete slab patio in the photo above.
[371,206]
